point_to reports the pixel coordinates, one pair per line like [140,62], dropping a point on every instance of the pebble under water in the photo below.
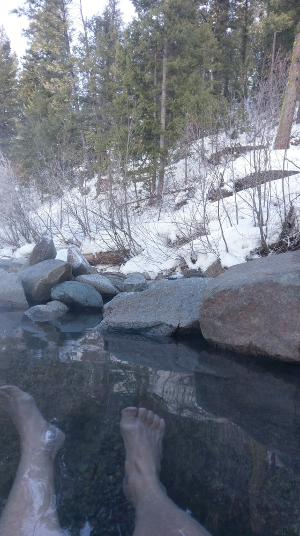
[232,445]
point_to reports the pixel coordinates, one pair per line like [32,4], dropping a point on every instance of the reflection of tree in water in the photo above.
[229,481]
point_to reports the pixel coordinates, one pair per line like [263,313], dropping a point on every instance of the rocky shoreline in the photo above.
[252,308]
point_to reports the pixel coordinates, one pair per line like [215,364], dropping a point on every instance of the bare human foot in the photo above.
[37,435]
[142,433]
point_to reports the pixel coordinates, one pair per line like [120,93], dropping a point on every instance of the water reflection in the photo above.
[232,443]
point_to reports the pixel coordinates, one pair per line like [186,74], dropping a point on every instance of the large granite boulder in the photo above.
[77,295]
[44,313]
[254,308]
[43,250]
[135,282]
[12,295]
[100,283]
[80,265]
[164,308]
[38,280]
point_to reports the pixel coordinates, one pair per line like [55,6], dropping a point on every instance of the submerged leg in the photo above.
[30,508]
[143,432]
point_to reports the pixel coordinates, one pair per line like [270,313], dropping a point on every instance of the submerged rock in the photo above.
[80,265]
[100,283]
[9,321]
[38,280]
[262,398]
[77,322]
[43,250]
[77,295]
[43,313]
[254,308]
[166,307]
[135,282]
[12,295]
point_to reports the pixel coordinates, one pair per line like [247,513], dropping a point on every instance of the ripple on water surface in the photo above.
[231,452]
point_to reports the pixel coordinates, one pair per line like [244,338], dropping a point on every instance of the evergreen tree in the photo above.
[168,63]
[102,83]
[8,94]
[50,133]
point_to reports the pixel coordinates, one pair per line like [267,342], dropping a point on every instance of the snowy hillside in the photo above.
[223,202]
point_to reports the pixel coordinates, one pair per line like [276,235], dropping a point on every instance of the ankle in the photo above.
[140,488]
[150,497]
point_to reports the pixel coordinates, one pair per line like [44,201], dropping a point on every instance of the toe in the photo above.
[156,421]
[162,425]
[10,388]
[142,414]
[150,417]
[129,414]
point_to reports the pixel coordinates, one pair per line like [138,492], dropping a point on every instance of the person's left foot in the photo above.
[143,433]
[36,433]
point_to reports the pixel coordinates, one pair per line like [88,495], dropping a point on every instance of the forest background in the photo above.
[118,104]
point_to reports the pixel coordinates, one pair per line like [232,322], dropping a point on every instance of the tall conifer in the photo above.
[8,94]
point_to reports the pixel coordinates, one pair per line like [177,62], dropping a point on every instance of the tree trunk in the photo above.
[273,61]
[153,181]
[74,93]
[285,125]
[298,111]
[163,114]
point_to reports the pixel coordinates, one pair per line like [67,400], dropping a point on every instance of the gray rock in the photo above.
[12,295]
[100,283]
[80,265]
[38,280]
[116,278]
[254,308]
[193,273]
[5,264]
[43,250]
[44,313]
[25,265]
[164,308]
[135,282]
[18,264]
[118,282]
[77,295]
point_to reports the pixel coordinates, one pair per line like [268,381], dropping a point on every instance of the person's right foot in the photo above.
[142,432]
[37,435]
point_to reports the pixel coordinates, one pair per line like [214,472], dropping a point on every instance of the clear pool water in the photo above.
[232,446]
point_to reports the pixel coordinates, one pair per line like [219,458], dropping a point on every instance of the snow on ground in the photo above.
[187,229]
[24,251]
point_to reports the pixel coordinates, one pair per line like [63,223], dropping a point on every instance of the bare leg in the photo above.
[156,514]
[30,508]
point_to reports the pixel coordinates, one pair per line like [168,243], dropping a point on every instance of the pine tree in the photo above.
[51,132]
[8,94]
[169,53]
[102,81]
